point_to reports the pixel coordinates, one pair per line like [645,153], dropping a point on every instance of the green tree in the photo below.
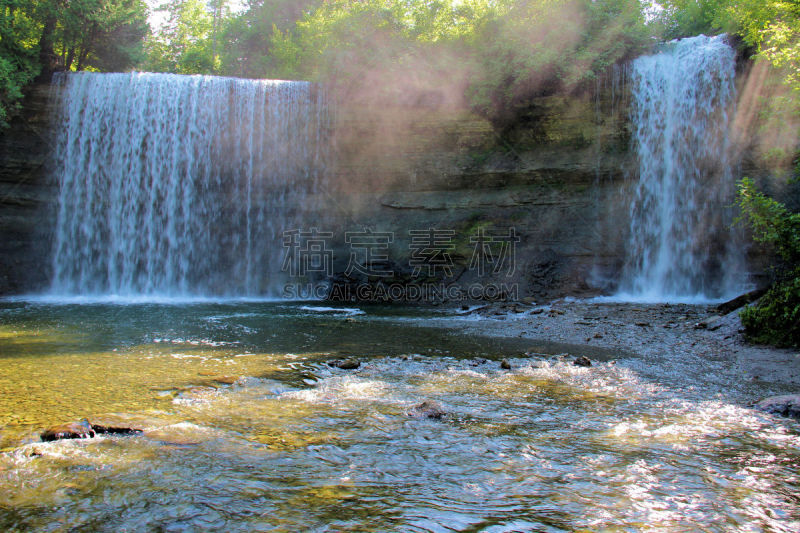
[101,34]
[187,43]
[248,38]
[18,58]
[542,47]
[775,319]
[504,52]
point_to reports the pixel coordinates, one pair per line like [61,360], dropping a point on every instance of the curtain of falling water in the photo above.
[681,243]
[182,185]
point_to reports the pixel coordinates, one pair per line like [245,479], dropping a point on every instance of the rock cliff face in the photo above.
[557,182]
[26,197]
[446,188]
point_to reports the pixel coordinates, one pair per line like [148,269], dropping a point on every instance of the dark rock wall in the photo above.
[559,181]
[27,197]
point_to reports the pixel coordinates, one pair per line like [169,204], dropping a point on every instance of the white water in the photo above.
[682,246]
[181,186]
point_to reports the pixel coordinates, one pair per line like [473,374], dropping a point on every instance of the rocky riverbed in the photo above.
[686,334]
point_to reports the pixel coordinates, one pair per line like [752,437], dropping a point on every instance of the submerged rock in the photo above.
[72,430]
[505,365]
[427,409]
[582,361]
[116,425]
[225,380]
[349,364]
[344,364]
[786,405]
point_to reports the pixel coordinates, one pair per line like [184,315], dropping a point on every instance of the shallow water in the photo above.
[293,444]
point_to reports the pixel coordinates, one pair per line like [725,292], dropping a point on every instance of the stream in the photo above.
[247,428]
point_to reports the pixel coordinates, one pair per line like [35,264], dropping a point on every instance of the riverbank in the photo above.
[687,336]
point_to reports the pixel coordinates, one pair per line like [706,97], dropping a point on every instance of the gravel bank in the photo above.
[678,332]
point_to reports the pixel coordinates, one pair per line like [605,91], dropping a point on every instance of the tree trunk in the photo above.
[47,57]
[86,47]
[70,58]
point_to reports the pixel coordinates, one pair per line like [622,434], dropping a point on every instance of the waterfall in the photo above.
[181,185]
[682,246]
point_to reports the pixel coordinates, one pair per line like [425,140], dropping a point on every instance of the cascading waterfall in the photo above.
[182,185]
[682,246]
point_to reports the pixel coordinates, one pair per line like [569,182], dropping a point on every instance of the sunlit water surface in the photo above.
[293,444]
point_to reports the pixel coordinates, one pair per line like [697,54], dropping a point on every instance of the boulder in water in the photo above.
[505,365]
[427,409]
[582,361]
[344,364]
[786,405]
[86,430]
[72,430]
[349,364]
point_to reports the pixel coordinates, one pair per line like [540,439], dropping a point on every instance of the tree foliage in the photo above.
[776,317]
[41,36]
[500,53]
[184,44]
[18,65]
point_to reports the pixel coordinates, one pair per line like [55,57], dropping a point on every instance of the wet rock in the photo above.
[505,365]
[427,409]
[73,430]
[479,361]
[582,361]
[538,311]
[225,380]
[712,324]
[117,430]
[740,301]
[173,438]
[464,307]
[642,324]
[348,364]
[786,405]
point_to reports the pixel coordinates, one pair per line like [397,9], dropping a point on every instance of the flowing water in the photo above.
[682,246]
[182,185]
[248,429]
